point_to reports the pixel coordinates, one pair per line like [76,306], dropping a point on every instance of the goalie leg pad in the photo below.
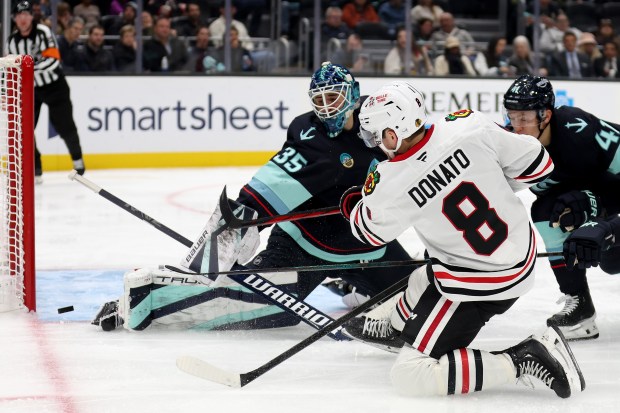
[167,298]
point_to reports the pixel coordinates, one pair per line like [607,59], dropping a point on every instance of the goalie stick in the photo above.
[254,282]
[199,368]
[127,207]
[233,222]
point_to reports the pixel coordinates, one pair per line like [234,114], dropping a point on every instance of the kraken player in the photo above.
[455,184]
[584,185]
[321,158]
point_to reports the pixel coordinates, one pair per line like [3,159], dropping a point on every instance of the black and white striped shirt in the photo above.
[42,46]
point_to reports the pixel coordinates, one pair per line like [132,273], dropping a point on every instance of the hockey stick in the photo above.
[204,370]
[127,207]
[332,267]
[259,285]
[233,222]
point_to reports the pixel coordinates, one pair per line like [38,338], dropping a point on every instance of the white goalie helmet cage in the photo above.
[397,106]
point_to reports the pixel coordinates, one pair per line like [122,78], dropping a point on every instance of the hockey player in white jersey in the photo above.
[455,183]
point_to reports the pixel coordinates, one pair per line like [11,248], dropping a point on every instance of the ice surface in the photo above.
[52,362]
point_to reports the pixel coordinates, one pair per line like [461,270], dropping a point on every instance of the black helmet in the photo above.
[530,93]
[21,6]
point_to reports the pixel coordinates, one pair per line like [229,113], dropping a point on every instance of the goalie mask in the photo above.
[397,106]
[334,94]
[528,93]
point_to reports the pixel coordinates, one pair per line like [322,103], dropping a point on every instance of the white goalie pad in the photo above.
[162,297]
[232,245]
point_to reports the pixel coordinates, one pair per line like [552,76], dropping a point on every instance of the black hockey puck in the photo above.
[65,309]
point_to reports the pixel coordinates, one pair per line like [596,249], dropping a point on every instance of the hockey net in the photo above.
[17,277]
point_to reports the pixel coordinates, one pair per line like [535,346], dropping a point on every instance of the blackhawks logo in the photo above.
[372,180]
[460,114]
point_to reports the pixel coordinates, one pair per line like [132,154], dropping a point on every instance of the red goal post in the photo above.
[17,269]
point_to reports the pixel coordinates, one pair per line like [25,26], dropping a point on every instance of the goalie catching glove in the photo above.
[573,209]
[584,247]
[232,245]
[349,199]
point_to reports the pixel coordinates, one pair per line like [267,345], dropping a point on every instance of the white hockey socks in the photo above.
[458,372]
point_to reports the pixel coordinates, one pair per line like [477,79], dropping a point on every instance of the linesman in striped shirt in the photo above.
[51,88]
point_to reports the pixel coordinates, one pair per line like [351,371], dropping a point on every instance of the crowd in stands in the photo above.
[188,36]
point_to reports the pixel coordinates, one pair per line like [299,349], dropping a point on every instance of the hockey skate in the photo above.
[576,319]
[550,360]
[350,297]
[107,317]
[375,328]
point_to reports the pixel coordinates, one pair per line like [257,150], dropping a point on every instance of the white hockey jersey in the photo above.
[457,187]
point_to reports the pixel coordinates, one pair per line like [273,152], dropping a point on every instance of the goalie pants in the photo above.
[283,251]
[570,282]
[436,360]
[57,97]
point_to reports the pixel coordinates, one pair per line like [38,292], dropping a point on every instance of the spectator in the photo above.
[353,56]
[570,63]
[608,64]
[218,26]
[63,13]
[606,32]
[253,9]
[194,21]
[394,63]
[358,11]
[147,23]
[89,12]
[128,17]
[447,28]
[240,57]
[549,11]
[521,60]
[424,30]
[452,62]
[333,27]
[70,46]
[93,57]
[588,46]
[392,13]
[116,7]
[493,61]
[40,15]
[551,38]
[164,52]
[425,9]
[201,49]
[125,50]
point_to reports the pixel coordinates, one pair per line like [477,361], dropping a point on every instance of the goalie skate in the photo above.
[550,360]
[108,317]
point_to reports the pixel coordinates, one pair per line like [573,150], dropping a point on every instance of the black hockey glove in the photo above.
[349,199]
[574,208]
[583,248]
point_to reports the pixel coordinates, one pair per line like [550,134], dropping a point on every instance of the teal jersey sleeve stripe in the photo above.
[296,234]
[553,238]
[282,191]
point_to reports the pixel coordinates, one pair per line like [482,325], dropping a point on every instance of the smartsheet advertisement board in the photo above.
[166,115]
